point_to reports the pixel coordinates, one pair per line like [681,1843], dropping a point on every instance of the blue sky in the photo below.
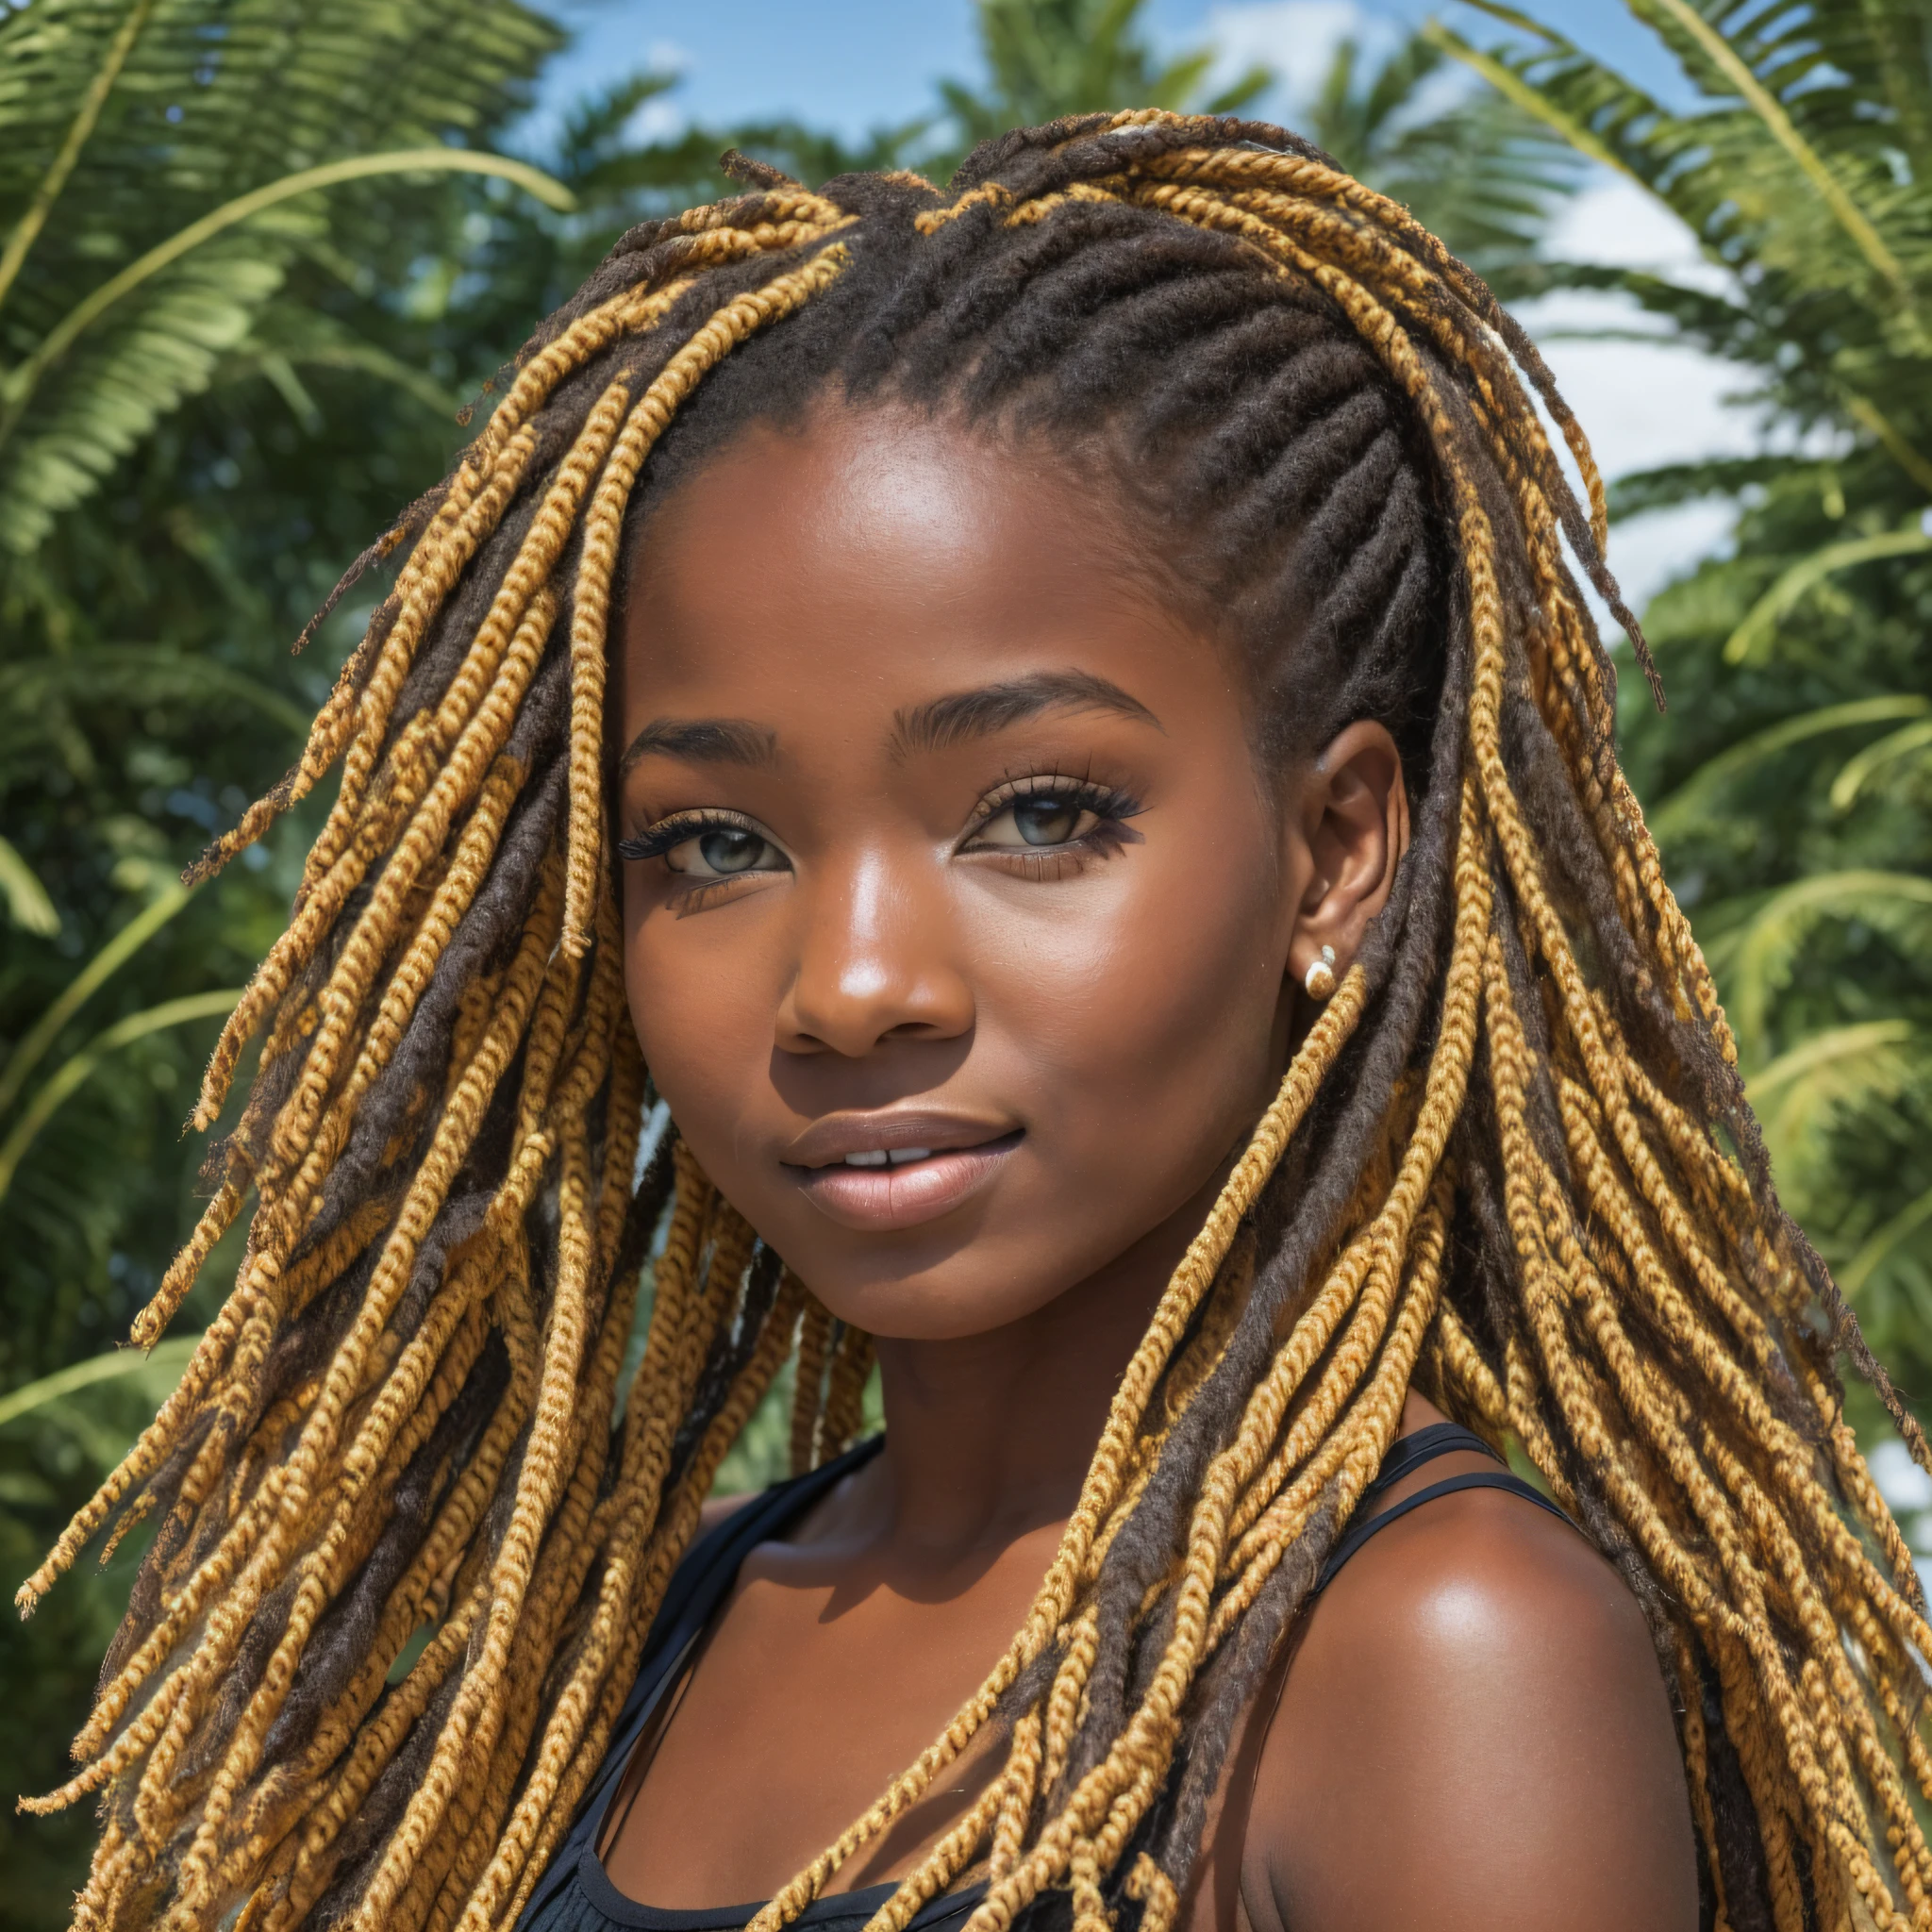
[851,64]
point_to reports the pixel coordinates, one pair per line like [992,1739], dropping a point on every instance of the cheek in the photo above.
[1125,1018]
[704,1021]
[1142,1020]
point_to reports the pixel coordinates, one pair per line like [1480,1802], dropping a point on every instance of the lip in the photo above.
[966,1155]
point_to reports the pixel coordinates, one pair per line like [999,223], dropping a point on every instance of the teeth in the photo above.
[873,1157]
[878,1156]
[899,1156]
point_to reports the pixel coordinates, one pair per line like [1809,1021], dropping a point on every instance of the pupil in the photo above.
[1046,820]
[730,851]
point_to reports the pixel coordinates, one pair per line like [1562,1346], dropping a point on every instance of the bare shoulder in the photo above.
[717,1509]
[1473,1731]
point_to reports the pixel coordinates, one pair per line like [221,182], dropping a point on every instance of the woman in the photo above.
[1056,716]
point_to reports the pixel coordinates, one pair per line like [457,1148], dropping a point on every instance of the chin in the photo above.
[936,1305]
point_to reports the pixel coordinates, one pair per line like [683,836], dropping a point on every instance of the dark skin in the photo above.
[969,946]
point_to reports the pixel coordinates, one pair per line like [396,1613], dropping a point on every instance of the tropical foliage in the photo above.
[1790,783]
[221,361]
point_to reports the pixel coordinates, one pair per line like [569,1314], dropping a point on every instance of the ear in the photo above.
[1352,817]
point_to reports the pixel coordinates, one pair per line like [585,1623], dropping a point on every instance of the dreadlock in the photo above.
[1511,1164]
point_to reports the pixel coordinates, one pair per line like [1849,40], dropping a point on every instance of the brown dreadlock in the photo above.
[1511,1164]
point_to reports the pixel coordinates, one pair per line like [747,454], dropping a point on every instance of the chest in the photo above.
[817,1683]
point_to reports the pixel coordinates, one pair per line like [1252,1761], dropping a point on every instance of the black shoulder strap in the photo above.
[700,1583]
[1411,1452]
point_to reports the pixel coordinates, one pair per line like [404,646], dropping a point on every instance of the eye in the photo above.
[707,846]
[724,852]
[1040,818]
[1045,814]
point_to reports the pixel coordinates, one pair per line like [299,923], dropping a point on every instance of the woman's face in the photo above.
[960,939]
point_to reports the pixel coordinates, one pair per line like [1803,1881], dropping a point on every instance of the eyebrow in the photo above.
[991,707]
[703,740]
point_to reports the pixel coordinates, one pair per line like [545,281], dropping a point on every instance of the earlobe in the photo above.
[1353,821]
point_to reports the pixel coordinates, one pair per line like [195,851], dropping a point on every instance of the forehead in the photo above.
[882,550]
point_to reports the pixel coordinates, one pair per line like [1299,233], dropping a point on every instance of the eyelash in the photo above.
[667,835]
[1111,805]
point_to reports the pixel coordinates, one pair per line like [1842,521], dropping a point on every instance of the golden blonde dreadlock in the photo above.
[407,1418]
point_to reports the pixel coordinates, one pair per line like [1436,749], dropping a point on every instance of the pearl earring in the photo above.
[1320,979]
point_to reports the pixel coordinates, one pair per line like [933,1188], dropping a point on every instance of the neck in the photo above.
[990,1435]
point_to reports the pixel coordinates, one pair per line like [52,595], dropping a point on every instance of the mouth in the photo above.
[893,1171]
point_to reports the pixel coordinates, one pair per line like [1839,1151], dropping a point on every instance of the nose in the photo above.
[875,963]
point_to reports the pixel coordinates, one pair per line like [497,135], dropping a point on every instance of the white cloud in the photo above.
[1644,405]
[656,119]
[1615,222]
[1296,37]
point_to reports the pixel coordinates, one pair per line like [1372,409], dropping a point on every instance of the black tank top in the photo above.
[576,1894]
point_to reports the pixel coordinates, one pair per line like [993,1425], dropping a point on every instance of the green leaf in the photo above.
[1886,1243]
[1756,957]
[27,904]
[1842,202]
[1676,813]
[176,342]
[200,1005]
[205,127]
[1049,57]
[1535,101]
[1803,1094]
[1804,170]
[19,383]
[164,1361]
[136,674]
[1891,749]
[112,957]
[55,179]
[1751,638]
[1480,173]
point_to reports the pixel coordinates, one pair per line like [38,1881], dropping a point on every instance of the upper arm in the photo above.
[1474,1732]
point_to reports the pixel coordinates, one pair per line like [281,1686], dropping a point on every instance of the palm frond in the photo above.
[1753,958]
[1477,169]
[38,1111]
[1736,64]
[1049,57]
[1753,636]
[1885,1245]
[137,674]
[139,931]
[161,1365]
[1672,815]
[1914,741]
[27,904]
[186,119]
[1788,171]
[1802,1095]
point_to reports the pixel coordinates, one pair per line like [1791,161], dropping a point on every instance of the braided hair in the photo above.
[1510,1165]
